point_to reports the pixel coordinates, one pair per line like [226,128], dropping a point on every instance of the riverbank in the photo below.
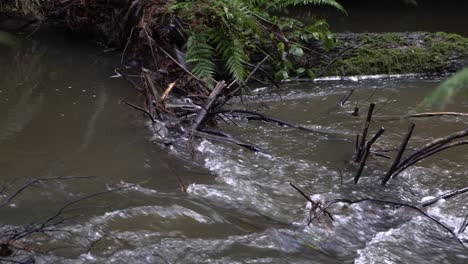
[396,53]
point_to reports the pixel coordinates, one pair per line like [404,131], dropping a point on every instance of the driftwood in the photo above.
[202,116]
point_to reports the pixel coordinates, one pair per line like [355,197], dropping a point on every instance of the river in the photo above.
[61,115]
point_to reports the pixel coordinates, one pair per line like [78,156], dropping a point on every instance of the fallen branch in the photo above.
[313,204]
[447,195]
[31,182]
[202,116]
[463,226]
[364,133]
[346,98]
[367,151]
[421,115]
[410,163]
[140,109]
[396,161]
[222,137]
[251,115]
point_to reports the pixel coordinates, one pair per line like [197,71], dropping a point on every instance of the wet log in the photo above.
[204,113]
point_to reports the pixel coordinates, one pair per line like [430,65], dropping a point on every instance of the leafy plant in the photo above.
[447,90]
[232,30]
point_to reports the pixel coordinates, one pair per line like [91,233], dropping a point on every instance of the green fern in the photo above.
[229,30]
[200,54]
[447,90]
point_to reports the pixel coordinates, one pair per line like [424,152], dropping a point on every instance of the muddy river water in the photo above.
[61,115]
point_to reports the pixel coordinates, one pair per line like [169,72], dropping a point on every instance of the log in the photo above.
[202,116]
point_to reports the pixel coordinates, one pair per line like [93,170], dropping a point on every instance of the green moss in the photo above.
[400,53]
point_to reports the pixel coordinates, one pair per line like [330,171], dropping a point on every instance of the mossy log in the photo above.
[392,53]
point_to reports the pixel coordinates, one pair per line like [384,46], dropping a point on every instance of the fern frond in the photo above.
[235,57]
[200,54]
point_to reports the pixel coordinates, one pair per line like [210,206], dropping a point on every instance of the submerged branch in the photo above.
[447,195]
[416,208]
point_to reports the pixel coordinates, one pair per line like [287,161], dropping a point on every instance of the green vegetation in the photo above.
[400,53]
[447,90]
[231,31]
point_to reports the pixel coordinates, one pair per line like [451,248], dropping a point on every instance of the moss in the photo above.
[399,53]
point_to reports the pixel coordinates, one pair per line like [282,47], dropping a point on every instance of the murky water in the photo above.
[60,115]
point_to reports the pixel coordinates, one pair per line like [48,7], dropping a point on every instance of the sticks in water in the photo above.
[367,151]
[401,150]
[360,150]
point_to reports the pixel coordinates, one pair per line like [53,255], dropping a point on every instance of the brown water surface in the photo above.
[60,115]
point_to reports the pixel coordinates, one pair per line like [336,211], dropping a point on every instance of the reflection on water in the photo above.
[60,115]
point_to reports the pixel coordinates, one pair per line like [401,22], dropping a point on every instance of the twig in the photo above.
[346,98]
[350,202]
[447,195]
[431,114]
[317,205]
[463,226]
[257,116]
[397,159]
[364,133]
[431,152]
[227,139]
[37,180]
[337,57]
[140,109]
[366,154]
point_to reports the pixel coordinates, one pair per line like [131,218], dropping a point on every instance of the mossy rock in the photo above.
[395,53]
